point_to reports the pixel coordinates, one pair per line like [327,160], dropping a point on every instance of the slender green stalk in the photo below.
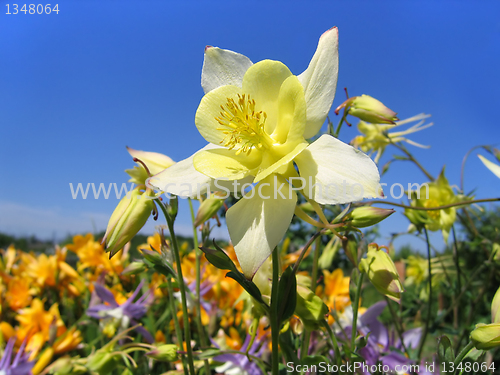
[335,344]
[415,161]
[275,329]
[457,266]
[336,135]
[429,308]
[462,354]
[355,309]
[197,252]
[398,325]
[182,287]
[304,351]
[457,204]
[178,332]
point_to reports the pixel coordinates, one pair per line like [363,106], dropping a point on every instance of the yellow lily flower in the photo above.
[257,118]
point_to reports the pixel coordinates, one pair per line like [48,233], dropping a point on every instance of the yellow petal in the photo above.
[225,164]
[291,112]
[289,155]
[210,109]
[262,82]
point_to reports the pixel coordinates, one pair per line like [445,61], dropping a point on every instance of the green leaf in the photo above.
[287,294]
[218,258]
[313,360]
[445,350]
[154,260]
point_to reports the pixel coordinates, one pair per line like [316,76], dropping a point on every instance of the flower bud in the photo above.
[134,268]
[208,208]
[310,308]
[127,219]
[382,273]
[486,336]
[370,110]
[155,161]
[66,366]
[495,307]
[102,362]
[164,353]
[365,216]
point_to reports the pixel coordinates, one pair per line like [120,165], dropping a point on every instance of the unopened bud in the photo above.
[208,208]
[382,272]
[362,217]
[127,219]
[495,307]
[164,353]
[368,109]
[102,362]
[134,268]
[486,336]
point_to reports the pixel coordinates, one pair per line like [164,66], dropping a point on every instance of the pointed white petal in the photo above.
[257,224]
[334,172]
[495,168]
[182,179]
[223,67]
[320,81]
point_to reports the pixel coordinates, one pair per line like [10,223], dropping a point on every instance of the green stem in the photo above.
[182,287]
[337,131]
[457,264]
[429,308]
[304,351]
[398,325]
[178,332]
[275,329]
[197,252]
[355,309]
[463,353]
[457,204]
[335,344]
[415,161]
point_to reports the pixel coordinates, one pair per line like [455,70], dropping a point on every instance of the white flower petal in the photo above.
[320,81]
[257,224]
[335,173]
[495,168]
[223,67]
[182,179]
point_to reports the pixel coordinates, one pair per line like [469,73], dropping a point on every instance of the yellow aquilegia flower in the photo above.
[257,118]
[375,137]
[434,194]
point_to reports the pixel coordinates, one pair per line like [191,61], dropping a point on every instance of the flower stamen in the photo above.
[242,125]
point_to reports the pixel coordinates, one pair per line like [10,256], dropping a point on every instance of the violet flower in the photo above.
[20,366]
[124,314]
[240,364]
[382,345]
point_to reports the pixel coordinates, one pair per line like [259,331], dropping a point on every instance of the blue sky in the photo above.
[78,86]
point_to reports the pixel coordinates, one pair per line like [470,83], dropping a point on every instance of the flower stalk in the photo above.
[182,287]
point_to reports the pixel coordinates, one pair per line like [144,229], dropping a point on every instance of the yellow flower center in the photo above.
[242,125]
[432,203]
